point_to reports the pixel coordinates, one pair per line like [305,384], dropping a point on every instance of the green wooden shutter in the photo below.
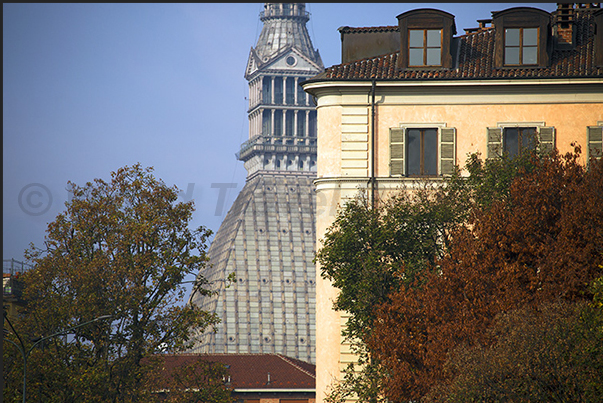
[594,138]
[546,139]
[396,151]
[495,146]
[447,150]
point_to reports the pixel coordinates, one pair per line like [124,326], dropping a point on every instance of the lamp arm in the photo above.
[67,331]
[15,332]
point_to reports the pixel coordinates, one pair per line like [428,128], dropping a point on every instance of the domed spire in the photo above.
[285,25]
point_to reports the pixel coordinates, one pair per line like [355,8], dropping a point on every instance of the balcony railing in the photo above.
[286,144]
[290,12]
[11,269]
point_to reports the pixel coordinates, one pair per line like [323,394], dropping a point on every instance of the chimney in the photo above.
[564,25]
[485,24]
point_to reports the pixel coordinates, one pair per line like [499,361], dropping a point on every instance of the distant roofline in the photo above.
[274,390]
[353,30]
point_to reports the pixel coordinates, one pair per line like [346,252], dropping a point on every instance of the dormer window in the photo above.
[424,47]
[426,39]
[521,46]
[522,37]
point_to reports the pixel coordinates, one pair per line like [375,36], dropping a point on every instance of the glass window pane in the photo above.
[430,142]
[511,141]
[301,94]
[266,90]
[415,38]
[530,55]
[530,37]
[301,124]
[289,120]
[278,123]
[278,90]
[434,38]
[290,90]
[266,121]
[415,57]
[413,148]
[511,55]
[434,57]
[512,37]
[528,138]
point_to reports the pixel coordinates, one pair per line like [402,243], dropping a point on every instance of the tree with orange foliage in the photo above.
[540,242]
[549,353]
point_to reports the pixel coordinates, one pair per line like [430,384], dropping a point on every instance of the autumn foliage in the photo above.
[539,243]
[549,353]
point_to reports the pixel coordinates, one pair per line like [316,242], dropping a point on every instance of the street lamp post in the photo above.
[25,355]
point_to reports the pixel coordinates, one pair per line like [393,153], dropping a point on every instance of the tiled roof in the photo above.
[250,371]
[476,61]
[361,30]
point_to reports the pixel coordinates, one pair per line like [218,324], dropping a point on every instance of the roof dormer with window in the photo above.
[522,37]
[426,39]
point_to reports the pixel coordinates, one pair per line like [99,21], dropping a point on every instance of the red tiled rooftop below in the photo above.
[250,371]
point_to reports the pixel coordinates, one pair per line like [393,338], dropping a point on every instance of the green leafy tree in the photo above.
[121,248]
[371,251]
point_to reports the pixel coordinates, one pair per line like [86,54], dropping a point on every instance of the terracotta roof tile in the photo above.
[250,371]
[476,61]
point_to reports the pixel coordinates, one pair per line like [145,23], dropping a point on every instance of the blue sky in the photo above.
[89,88]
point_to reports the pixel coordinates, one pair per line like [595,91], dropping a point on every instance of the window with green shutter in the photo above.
[422,151]
[594,137]
[514,139]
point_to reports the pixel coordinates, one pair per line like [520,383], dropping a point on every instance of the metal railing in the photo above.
[11,286]
[289,144]
[12,267]
[286,13]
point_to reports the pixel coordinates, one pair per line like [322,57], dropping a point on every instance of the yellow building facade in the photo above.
[394,119]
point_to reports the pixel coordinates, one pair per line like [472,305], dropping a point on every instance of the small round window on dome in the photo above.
[291,61]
